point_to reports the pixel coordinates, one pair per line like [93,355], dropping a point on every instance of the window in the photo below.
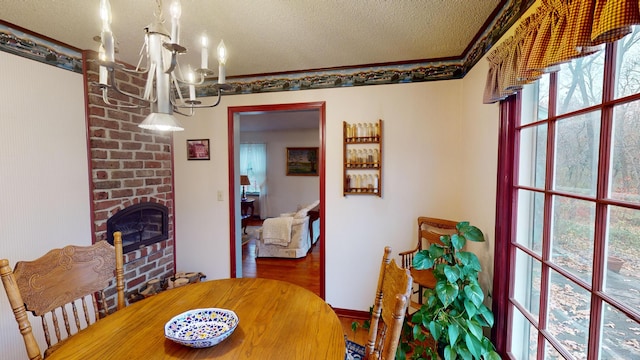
[574,244]
[253,163]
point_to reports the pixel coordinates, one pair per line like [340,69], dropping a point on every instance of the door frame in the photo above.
[233,112]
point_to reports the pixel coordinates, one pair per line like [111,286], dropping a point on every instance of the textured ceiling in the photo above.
[273,36]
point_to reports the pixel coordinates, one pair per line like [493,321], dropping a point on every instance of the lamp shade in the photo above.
[161,122]
[244,180]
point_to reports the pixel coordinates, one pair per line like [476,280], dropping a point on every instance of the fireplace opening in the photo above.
[141,225]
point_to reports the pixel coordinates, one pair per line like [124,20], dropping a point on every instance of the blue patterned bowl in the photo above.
[201,328]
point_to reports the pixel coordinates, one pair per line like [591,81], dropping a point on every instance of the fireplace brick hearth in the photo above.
[128,166]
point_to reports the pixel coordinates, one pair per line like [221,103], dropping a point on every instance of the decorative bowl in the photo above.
[201,328]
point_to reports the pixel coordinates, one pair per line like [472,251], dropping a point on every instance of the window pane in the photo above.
[533,156]
[580,83]
[576,147]
[550,353]
[530,105]
[622,278]
[572,236]
[568,315]
[628,67]
[620,335]
[526,290]
[625,158]
[543,97]
[530,219]
[524,339]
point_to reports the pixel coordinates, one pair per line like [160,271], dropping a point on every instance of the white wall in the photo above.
[44,179]
[422,175]
[286,193]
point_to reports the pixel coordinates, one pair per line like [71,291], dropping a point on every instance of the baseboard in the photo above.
[354,314]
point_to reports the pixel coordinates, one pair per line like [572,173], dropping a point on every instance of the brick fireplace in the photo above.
[128,166]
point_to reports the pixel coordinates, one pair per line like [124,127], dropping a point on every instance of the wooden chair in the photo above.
[389,309]
[56,283]
[429,232]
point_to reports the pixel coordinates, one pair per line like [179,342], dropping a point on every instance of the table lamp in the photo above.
[244,181]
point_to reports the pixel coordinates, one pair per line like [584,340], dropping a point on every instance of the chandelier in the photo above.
[164,77]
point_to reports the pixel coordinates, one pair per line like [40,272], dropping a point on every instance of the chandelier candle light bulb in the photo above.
[176,10]
[222,60]
[205,52]
[107,35]
[192,87]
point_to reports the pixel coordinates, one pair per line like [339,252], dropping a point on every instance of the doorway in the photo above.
[234,116]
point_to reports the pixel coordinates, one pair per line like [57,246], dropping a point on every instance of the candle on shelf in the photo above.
[176,10]
[204,64]
[222,60]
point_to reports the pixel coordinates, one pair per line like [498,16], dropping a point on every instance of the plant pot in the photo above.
[614,263]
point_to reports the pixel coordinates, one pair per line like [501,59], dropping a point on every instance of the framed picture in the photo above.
[198,149]
[302,161]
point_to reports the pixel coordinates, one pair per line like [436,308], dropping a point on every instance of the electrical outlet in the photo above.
[219,195]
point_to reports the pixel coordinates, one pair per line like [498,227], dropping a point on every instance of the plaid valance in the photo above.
[558,31]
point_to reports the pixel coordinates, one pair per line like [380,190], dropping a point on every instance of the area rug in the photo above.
[252,233]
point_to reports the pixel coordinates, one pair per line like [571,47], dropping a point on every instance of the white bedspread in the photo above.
[277,230]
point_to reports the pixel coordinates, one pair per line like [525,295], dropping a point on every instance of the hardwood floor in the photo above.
[304,272]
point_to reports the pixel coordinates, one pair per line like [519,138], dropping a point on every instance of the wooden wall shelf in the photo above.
[362,158]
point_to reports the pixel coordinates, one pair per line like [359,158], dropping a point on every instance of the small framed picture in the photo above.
[302,161]
[198,149]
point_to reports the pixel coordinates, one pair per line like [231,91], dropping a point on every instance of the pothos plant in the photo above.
[454,313]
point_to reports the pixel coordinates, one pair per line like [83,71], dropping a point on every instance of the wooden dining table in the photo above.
[277,320]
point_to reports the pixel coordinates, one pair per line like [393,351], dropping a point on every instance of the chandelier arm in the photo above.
[105,98]
[114,87]
[202,106]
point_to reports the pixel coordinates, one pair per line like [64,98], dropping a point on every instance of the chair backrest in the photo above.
[430,229]
[389,309]
[56,283]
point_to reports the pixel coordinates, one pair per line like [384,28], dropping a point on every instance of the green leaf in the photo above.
[435,251]
[446,240]
[474,293]
[354,326]
[469,259]
[471,233]
[435,329]
[453,331]
[449,353]
[452,273]
[492,355]
[474,345]
[447,292]
[458,241]
[464,353]
[487,315]
[470,307]
[422,260]
[475,330]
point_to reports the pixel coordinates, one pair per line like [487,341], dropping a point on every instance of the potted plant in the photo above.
[453,312]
